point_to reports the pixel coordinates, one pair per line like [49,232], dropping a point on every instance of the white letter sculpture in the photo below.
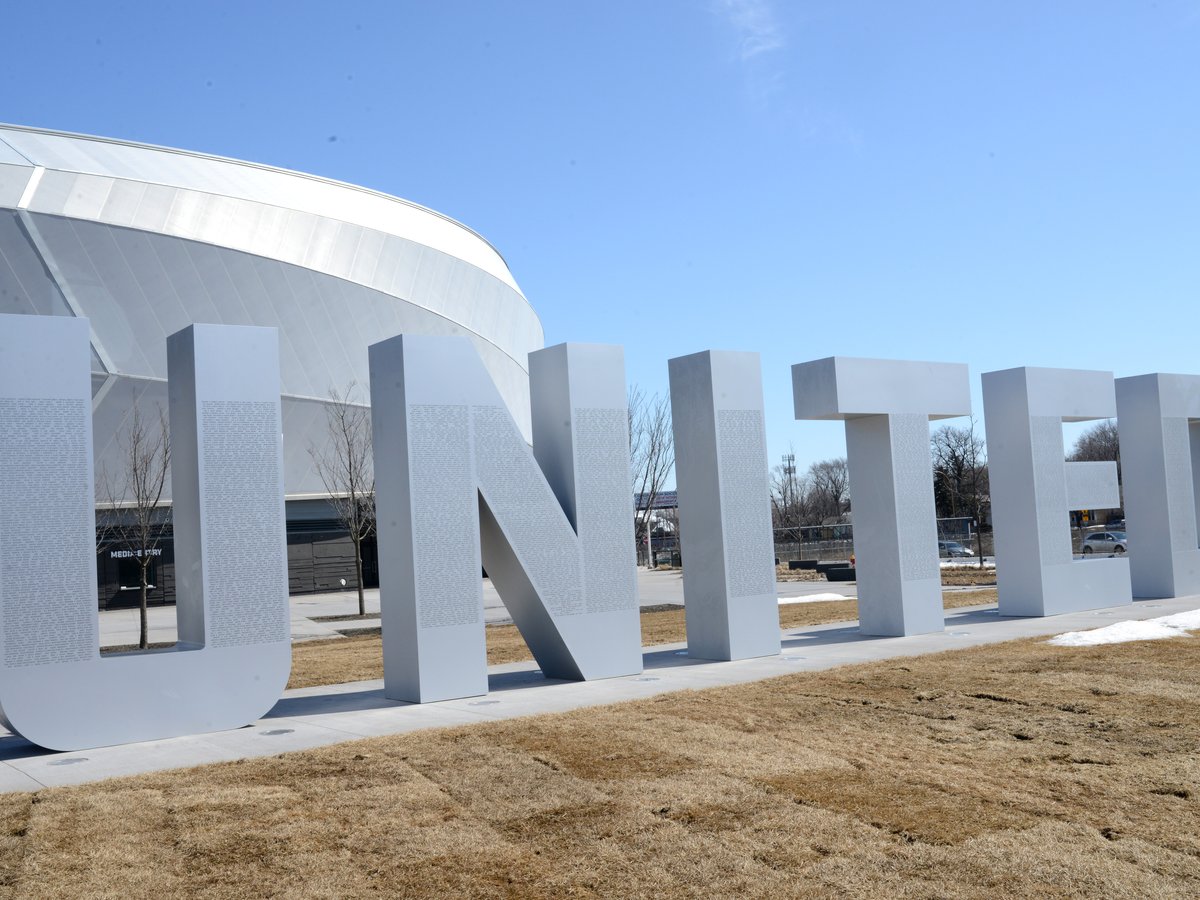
[729,595]
[234,652]
[1033,490]
[1159,421]
[887,405]
[457,485]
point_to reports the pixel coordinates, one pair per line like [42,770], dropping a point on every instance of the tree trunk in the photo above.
[144,636]
[362,601]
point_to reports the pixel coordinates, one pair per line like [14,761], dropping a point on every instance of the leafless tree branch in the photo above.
[133,516]
[345,464]
[829,484]
[651,453]
[1100,443]
[960,475]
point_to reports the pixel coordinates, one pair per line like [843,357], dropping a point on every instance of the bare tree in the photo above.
[829,482]
[960,476]
[790,500]
[651,453]
[959,470]
[1100,443]
[133,517]
[346,466]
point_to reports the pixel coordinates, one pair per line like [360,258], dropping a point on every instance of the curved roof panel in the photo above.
[231,178]
[144,241]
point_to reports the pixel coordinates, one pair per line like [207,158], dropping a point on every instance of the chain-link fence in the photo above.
[827,542]
[958,539]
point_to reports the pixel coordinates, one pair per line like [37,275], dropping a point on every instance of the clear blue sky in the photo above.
[999,183]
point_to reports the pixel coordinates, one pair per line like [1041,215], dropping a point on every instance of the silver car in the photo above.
[1112,542]
[953,549]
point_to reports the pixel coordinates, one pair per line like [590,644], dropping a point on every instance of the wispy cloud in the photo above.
[758,37]
[754,24]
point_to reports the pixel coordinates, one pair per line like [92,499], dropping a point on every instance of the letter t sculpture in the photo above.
[887,405]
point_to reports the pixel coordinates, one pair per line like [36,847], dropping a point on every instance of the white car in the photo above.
[1113,542]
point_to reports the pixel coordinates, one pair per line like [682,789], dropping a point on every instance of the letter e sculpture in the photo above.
[1159,421]
[1033,490]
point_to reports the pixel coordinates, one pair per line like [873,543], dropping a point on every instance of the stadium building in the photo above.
[145,240]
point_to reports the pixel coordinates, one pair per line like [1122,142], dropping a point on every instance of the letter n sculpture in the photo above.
[458,487]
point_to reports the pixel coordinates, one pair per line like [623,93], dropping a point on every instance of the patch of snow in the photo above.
[813,598]
[965,562]
[1189,620]
[1177,625]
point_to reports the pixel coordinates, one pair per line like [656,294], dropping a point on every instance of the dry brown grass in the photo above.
[360,658]
[964,576]
[1017,769]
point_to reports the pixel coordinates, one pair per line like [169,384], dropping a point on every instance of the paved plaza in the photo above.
[119,628]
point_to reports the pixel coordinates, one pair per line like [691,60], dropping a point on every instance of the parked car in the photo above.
[1105,542]
[952,549]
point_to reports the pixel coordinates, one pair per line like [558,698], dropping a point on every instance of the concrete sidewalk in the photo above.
[315,717]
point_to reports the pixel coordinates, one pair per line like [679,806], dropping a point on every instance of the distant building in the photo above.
[662,500]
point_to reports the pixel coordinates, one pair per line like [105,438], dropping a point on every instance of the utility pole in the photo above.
[789,474]
[649,547]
